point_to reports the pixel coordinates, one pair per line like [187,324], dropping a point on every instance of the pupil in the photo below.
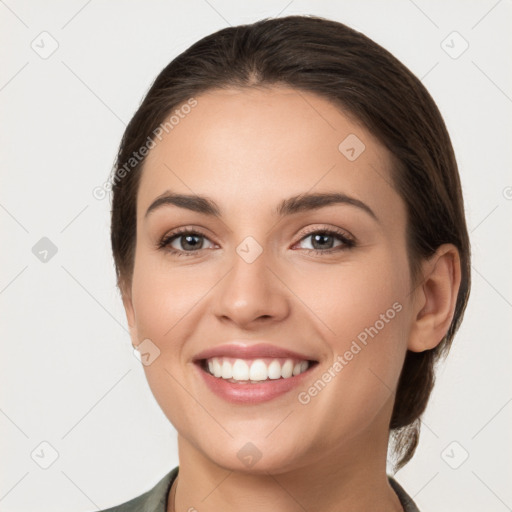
[187,241]
[320,237]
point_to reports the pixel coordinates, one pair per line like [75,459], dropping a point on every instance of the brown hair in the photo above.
[328,58]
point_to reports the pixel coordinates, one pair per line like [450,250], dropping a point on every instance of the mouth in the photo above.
[254,371]
[252,374]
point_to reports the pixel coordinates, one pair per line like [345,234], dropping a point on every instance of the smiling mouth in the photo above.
[255,371]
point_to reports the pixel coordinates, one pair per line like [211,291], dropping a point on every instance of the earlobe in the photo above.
[435,299]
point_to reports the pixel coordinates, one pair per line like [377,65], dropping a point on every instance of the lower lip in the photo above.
[251,393]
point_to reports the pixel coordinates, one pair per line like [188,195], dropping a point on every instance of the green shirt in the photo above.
[155,500]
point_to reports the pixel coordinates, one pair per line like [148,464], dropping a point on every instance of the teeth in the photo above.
[287,369]
[300,367]
[274,370]
[255,371]
[227,370]
[217,368]
[240,370]
[258,370]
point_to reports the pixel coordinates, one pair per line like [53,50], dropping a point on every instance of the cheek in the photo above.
[166,301]
[348,298]
[364,311]
[162,297]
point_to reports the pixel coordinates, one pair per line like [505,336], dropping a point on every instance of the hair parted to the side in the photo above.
[338,63]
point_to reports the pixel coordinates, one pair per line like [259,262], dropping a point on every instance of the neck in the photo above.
[345,479]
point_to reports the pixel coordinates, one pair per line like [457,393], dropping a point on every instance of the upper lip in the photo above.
[255,351]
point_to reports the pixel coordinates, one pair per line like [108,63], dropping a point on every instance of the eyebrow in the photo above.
[290,206]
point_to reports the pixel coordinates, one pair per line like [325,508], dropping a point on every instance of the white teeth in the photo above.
[287,369]
[255,371]
[227,370]
[274,370]
[240,370]
[258,370]
[217,368]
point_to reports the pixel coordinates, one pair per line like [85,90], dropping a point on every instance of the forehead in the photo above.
[250,147]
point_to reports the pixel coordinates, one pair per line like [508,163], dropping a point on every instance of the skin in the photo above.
[248,149]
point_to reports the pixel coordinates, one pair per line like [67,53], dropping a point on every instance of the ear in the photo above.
[130,313]
[435,299]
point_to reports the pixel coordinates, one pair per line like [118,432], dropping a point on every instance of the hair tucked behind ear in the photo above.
[344,66]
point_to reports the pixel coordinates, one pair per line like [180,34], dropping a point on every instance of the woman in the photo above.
[290,244]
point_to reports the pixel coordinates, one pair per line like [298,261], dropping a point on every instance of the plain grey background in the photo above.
[80,429]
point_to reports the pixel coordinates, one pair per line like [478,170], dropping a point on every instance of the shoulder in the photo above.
[405,500]
[154,500]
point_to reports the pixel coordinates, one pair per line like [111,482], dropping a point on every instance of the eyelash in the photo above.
[164,243]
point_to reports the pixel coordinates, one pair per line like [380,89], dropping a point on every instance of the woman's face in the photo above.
[269,267]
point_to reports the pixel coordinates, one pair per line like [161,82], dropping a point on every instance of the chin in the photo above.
[257,457]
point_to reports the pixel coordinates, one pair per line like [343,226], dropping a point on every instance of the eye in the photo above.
[183,242]
[323,240]
[186,242]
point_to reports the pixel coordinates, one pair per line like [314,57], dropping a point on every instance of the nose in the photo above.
[252,292]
